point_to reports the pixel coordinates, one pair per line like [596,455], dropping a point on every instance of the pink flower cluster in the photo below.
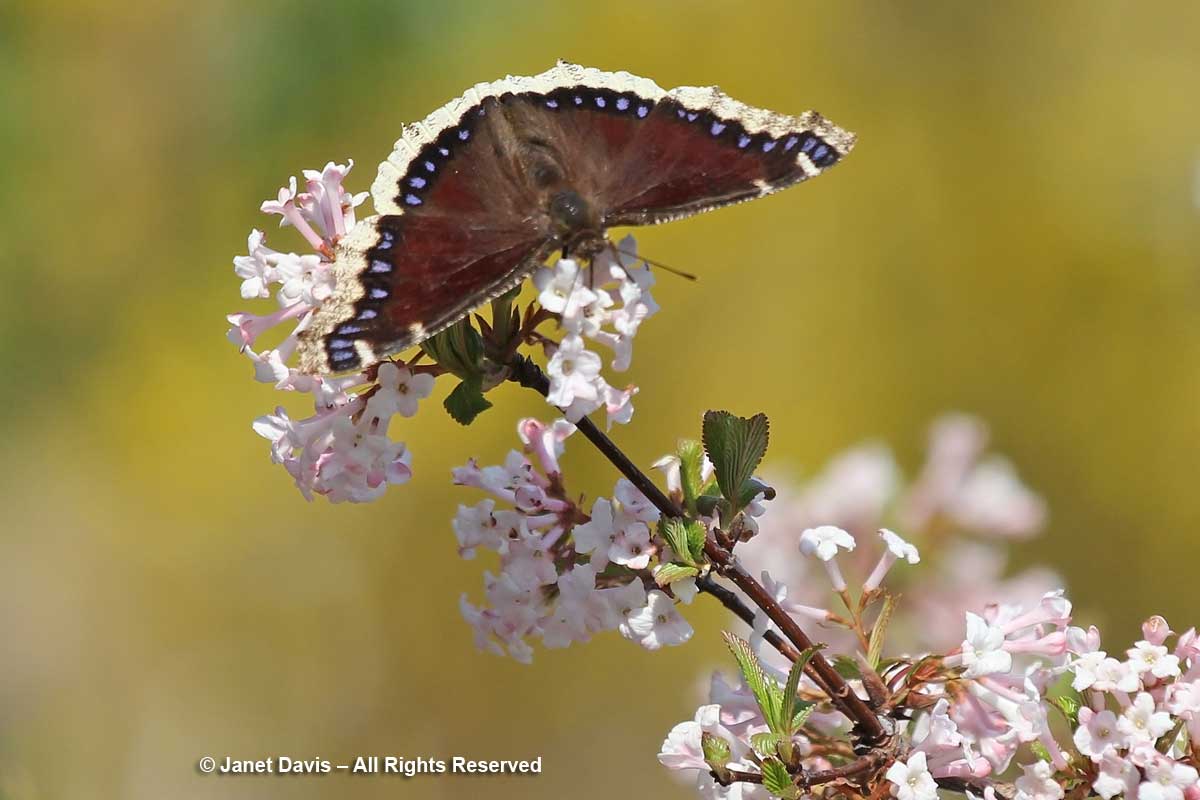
[343,451]
[962,510]
[563,575]
[603,303]
[995,700]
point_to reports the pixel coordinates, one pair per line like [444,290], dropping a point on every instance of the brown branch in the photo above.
[866,723]
[807,779]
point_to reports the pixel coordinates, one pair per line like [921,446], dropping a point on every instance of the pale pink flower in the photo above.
[1037,783]
[1116,776]
[895,548]
[911,780]
[1097,732]
[658,624]
[1141,721]
[1145,657]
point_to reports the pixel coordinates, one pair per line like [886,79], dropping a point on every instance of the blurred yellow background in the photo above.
[1015,236]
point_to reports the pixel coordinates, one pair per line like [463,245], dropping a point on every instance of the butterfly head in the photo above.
[576,224]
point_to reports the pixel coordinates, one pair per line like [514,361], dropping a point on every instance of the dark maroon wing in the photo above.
[646,156]
[699,150]
[462,230]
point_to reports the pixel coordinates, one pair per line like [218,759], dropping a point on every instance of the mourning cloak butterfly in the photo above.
[478,195]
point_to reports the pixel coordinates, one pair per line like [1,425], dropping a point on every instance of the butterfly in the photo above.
[482,192]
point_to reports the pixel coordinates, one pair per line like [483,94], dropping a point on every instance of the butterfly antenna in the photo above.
[685,275]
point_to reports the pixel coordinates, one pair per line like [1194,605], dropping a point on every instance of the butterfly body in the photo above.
[484,190]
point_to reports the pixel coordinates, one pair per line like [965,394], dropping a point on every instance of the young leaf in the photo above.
[879,630]
[1069,705]
[735,446]
[788,707]
[766,744]
[716,750]
[766,691]
[459,349]
[802,715]
[696,534]
[845,666]
[777,780]
[691,466]
[466,401]
[706,504]
[669,573]
[675,531]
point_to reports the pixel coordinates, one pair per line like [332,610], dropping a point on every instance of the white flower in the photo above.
[983,650]
[899,548]
[1166,780]
[564,289]
[1141,722]
[1087,668]
[824,541]
[1116,776]
[1152,658]
[305,279]
[399,391]
[1112,674]
[573,370]
[476,526]
[255,269]
[658,624]
[1038,783]
[631,547]
[686,590]
[596,536]
[911,780]
[1097,732]
[682,749]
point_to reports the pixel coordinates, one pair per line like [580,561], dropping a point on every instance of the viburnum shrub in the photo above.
[882,651]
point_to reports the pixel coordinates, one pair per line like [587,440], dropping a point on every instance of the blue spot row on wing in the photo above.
[430,161]
[820,152]
[593,99]
[377,281]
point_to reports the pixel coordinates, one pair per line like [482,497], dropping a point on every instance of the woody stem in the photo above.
[870,732]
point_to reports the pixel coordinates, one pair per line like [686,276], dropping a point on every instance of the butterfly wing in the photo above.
[462,218]
[700,149]
[458,228]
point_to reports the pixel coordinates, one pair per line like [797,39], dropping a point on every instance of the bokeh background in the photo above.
[1015,236]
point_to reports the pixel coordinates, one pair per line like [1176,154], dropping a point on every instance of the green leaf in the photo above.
[466,401]
[735,446]
[696,534]
[691,467]
[1040,751]
[846,667]
[459,349]
[787,708]
[766,744]
[802,715]
[505,321]
[667,574]
[675,531]
[777,780]
[766,691]
[1069,705]
[706,504]
[879,629]
[716,750]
